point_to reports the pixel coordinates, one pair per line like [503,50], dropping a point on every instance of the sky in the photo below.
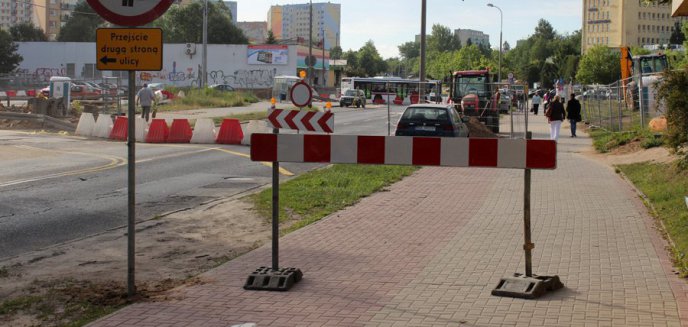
[389,23]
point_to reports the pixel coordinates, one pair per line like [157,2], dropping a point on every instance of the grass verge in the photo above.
[316,194]
[209,98]
[605,141]
[665,187]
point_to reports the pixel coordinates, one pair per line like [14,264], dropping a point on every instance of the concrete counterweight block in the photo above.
[180,131]
[230,132]
[120,130]
[141,129]
[254,126]
[86,124]
[103,126]
[204,132]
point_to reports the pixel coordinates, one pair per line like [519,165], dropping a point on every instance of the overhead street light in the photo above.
[501,20]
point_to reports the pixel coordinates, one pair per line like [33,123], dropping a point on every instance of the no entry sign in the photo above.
[301,94]
[130,12]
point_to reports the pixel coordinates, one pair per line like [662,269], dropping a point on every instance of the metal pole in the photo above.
[501,21]
[131,186]
[275,211]
[204,79]
[611,115]
[389,128]
[421,77]
[640,98]
[310,46]
[527,245]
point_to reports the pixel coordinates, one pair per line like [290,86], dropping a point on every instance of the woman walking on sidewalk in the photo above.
[555,115]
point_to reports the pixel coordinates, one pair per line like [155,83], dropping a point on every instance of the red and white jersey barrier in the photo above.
[404,150]
[301,120]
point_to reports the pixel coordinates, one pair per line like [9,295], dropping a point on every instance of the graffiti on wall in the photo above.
[189,76]
[43,74]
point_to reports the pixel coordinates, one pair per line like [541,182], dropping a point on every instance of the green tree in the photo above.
[27,32]
[370,60]
[442,39]
[9,58]
[409,50]
[506,46]
[677,36]
[271,38]
[81,25]
[671,93]
[182,24]
[336,52]
[599,65]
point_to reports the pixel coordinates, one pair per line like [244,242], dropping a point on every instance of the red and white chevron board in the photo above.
[404,150]
[301,120]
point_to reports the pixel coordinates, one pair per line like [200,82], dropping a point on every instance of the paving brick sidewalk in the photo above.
[429,251]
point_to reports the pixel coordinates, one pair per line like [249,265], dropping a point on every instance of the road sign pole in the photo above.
[275,211]
[131,160]
[527,245]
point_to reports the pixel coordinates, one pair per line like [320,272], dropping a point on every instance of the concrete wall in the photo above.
[227,64]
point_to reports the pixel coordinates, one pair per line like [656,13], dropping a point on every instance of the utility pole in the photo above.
[422,51]
[309,60]
[203,81]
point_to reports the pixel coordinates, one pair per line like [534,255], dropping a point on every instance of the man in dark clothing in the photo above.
[573,113]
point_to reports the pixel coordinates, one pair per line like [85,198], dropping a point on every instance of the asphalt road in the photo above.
[60,188]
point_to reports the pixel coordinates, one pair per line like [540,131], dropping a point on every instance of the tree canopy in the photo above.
[81,25]
[365,62]
[27,32]
[184,24]
[9,58]
[599,65]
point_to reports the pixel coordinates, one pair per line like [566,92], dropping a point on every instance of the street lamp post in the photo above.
[203,81]
[501,20]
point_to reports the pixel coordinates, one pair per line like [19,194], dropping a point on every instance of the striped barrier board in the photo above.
[301,120]
[404,150]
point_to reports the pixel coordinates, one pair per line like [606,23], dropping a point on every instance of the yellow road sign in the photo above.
[129,49]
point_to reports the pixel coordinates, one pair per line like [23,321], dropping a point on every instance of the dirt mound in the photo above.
[478,129]
[20,124]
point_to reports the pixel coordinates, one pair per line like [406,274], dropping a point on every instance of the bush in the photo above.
[672,93]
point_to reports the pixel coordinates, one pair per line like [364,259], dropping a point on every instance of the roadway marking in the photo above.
[116,161]
[268,164]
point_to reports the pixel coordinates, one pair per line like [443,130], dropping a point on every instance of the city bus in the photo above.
[380,90]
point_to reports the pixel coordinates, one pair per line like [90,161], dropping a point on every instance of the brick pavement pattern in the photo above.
[429,251]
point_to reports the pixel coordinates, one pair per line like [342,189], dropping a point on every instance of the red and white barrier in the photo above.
[85,125]
[403,150]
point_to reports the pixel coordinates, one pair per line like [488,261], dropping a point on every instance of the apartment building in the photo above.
[292,22]
[13,12]
[617,23]
[476,37]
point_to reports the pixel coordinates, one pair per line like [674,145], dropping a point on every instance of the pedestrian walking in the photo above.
[536,103]
[145,98]
[555,114]
[573,113]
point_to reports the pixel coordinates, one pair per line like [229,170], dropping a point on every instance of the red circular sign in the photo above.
[130,12]
[301,94]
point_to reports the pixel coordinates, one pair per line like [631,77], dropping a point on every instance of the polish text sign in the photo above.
[129,49]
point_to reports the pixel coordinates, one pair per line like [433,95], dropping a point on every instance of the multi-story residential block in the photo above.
[476,37]
[13,12]
[292,22]
[232,5]
[256,32]
[617,23]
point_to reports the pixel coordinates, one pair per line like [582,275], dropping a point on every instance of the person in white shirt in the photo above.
[536,103]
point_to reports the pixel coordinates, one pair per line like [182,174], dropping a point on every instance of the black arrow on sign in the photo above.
[128,3]
[105,60]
